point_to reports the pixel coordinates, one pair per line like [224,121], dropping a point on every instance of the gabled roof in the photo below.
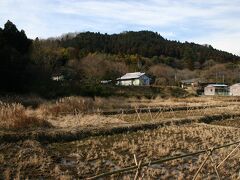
[134,75]
[217,85]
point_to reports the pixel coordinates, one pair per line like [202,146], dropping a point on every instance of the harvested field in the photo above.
[72,138]
[85,158]
[96,155]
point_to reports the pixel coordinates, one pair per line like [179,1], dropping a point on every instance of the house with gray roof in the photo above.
[134,79]
[216,89]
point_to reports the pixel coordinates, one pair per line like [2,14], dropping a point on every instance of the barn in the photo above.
[134,79]
[234,90]
[216,89]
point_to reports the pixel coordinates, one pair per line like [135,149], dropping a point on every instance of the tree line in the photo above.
[147,44]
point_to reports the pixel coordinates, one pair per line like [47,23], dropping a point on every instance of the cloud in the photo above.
[214,21]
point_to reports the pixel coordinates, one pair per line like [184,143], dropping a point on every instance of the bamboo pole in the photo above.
[138,115]
[150,113]
[160,161]
[202,165]
[228,156]
[215,167]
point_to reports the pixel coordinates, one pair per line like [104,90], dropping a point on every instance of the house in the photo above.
[190,83]
[234,90]
[134,79]
[216,89]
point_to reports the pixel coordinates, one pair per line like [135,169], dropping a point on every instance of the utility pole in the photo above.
[216,78]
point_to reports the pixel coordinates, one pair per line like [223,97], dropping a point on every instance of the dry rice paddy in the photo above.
[93,155]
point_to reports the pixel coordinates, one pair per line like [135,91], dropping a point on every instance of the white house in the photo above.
[134,79]
[216,89]
[234,90]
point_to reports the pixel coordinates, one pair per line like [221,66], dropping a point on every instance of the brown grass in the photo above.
[93,155]
[14,116]
[103,154]
[80,111]
[28,160]
[68,105]
[83,120]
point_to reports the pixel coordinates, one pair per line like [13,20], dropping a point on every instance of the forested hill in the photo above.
[146,44]
[85,59]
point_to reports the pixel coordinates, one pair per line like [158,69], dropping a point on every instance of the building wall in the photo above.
[209,91]
[235,90]
[136,82]
[132,82]
[126,83]
[218,91]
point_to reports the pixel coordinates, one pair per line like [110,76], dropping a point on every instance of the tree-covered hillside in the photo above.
[147,44]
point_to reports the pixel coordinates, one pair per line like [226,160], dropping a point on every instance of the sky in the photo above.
[215,22]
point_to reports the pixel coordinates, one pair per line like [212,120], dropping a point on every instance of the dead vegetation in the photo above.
[72,112]
[68,105]
[14,116]
[96,155]
[228,122]
[115,149]
[28,160]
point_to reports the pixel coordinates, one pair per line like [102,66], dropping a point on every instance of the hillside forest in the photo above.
[86,58]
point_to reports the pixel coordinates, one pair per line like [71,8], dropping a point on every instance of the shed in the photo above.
[234,90]
[216,89]
[190,82]
[134,79]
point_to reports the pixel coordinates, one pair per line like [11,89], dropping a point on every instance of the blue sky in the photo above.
[215,22]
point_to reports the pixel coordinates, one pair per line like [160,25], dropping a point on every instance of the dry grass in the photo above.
[79,111]
[80,159]
[96,155]
[228,122]
[81,120]
[28,160]
[68,105]
[14,116]
[161,115]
